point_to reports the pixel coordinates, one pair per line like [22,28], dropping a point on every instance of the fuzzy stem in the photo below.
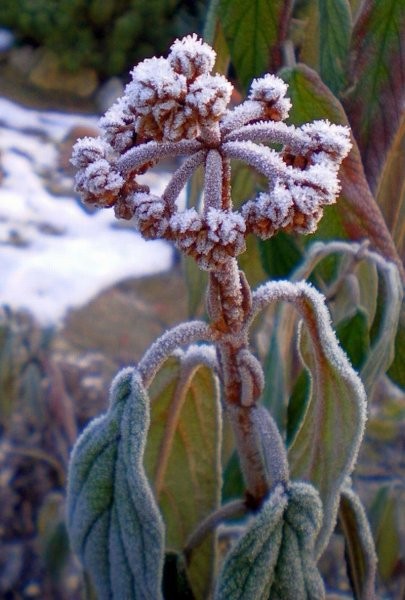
[183,334]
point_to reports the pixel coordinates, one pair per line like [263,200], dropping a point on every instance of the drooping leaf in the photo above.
[391,190]
[114,525]
[325,447]
[274,559]
[377,81]
[353,335]
[297,404]
[274,393]
[183,457]
[360,553]
[326,39]
[254,30]
[356,215]
[396,370]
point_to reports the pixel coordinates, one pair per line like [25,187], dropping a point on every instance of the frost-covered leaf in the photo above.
[183,456]
[274,559]
[360,553]
[325,46]
[254,30]
[377,81]
[356,215]
[325,447]
[114,525]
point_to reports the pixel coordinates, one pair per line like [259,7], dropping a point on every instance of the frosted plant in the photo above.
[176,107]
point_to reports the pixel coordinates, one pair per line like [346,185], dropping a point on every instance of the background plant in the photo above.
[107,36]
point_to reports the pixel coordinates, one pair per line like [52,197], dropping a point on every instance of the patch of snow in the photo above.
[64,256]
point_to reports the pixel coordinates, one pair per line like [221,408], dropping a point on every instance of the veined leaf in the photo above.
[377,76]
[356,215]
[183,457]
[254,30]
[325,447]
[326,42]
[114,525]
[274,559]
[360,553]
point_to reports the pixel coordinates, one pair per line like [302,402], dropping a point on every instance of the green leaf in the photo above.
[274,558]
[114,525]
[234,485]
[280,255]
[297,404]
[183,457]
[326,445]
[254,30]
[396,370]
[274,395]
[353,335]
[377,81]
[356,215]
[325,46]
[391,190]
[360,553]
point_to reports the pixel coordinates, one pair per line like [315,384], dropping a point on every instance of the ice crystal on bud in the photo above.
[209,96]
[176,106]
[191,57]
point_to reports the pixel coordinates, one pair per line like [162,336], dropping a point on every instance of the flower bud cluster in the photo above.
[175,107]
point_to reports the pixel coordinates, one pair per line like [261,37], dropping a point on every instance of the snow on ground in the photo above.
[54,255]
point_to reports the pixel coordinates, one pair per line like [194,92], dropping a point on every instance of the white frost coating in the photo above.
[332,138]
[268,88]
[154,79]
[138,156]
[213,180]
[209,95]
[204,354]
[263,159]
[99,176]
[187,221]
[166,344]
[191,57]
[118,125]
[224,227]
[181,176]
[249,110]
[88,150]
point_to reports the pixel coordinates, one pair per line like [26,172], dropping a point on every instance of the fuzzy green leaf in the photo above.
[183,457]
[325,447]
[356,215]
[377,81]
[274,559]
[359,545]
[280,255]
[114,525]
[254,30]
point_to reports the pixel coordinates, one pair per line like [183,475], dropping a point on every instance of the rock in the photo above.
[49,75]
[108,93]
[66,146]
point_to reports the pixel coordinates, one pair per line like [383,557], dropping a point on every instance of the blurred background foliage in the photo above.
[343,60]
[110,36]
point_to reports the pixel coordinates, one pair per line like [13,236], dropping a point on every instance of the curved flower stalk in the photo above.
[176,107]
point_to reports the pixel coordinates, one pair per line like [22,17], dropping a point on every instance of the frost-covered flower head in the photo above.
[176,107]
